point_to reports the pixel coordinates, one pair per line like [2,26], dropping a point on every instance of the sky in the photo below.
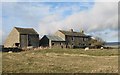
[99,19]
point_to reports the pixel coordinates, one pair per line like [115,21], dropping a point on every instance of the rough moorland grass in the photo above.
[61,61]
[93,52]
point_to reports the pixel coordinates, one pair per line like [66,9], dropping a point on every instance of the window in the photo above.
[52,44]
[29,42]
[72,38]
[17,44]
[84,39]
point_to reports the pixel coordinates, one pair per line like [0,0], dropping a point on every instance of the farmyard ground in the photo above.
[61,61]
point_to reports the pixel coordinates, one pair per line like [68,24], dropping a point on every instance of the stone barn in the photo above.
[22,37]
[52,41]
[74,39]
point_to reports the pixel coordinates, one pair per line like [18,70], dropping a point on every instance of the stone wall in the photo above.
[12,38]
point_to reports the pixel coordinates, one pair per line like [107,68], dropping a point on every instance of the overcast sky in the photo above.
[94,17]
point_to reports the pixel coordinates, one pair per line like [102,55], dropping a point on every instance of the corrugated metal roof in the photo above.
[54,38]
[26,30]
[72,33]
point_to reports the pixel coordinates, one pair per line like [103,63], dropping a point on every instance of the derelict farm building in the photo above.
[52,41]
[28,37]
[67,39]
[22,37]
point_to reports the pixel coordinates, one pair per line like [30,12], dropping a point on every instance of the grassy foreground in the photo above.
[61,61]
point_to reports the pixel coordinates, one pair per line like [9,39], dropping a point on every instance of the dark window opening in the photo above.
[52,44]
[72,38]
[17,44]
[84,39]
[29,44]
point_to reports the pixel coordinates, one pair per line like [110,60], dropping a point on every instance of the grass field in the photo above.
[61,61]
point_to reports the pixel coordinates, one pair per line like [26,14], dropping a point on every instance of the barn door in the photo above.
[23,41]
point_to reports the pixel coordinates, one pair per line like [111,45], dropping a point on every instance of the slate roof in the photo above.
[72,33]
[25,30]
[54,38]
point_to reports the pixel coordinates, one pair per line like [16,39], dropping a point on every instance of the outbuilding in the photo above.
[52,41]
[22,37]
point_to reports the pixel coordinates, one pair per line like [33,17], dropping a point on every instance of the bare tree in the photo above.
[97,41]
[100,40]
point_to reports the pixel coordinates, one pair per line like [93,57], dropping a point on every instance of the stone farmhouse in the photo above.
[22,37]
[68,39]
[74,39]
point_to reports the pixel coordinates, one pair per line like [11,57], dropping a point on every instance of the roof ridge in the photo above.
[23,28]
[70,31]
[74,33]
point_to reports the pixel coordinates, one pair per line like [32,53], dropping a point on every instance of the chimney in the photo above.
[82,31]
[71,30]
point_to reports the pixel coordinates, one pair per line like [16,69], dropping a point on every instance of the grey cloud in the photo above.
[103,16]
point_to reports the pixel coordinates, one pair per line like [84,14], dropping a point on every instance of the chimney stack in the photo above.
[71,30]
[82,31]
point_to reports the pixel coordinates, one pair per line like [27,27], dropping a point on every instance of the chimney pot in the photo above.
[71,30]
[82,31]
